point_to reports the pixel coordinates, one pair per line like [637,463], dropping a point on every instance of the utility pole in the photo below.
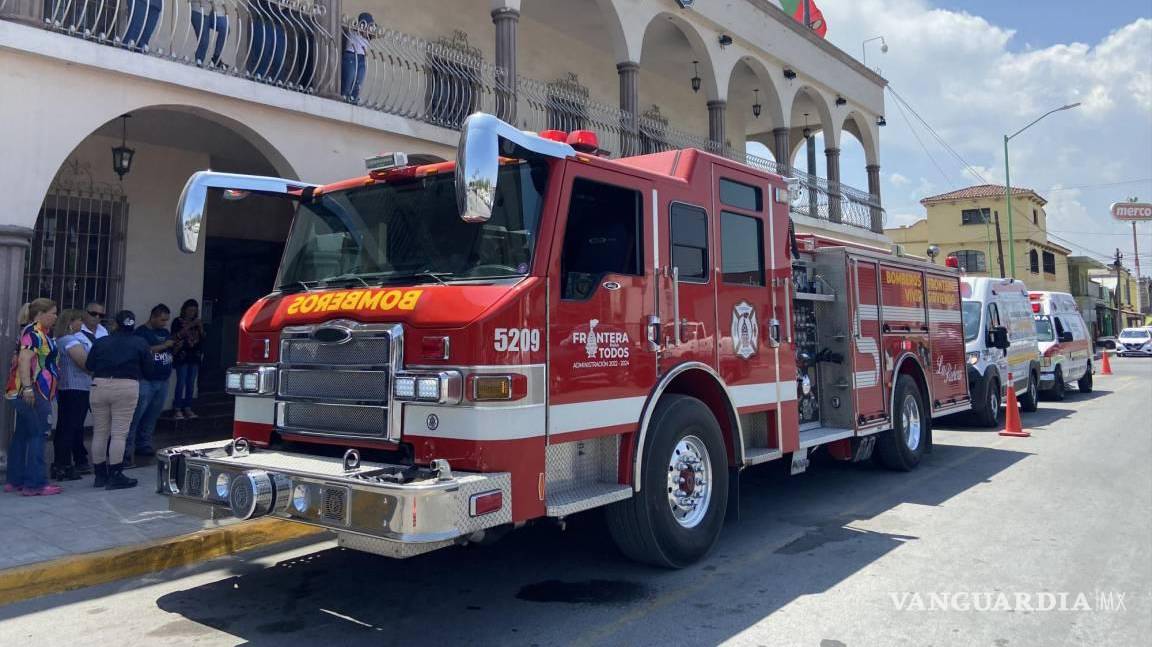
[1117,265]
[1000,243]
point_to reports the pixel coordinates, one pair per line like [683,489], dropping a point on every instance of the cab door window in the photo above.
[689,234]
[604,236]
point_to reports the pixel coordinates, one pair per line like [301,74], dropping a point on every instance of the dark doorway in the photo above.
[237,272]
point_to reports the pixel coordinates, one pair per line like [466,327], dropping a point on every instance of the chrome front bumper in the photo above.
[377,502]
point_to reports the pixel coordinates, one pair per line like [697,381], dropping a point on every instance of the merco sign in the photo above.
[1132,211]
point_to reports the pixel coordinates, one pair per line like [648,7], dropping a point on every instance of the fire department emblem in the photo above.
[745,330]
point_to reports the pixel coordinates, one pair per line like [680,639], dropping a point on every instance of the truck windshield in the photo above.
[410,230]
[1044,329]
[970,314]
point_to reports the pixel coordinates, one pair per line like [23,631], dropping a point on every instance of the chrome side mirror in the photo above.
[192,208]
[482,140]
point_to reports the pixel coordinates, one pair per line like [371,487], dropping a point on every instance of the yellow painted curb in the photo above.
[90,569]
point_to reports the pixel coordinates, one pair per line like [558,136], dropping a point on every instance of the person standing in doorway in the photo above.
[118,363]
[33,388]
[71,398]
[188,331]
[153,386]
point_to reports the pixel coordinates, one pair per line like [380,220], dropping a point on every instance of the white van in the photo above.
[1134,342]
[1000,339]
[1064,343]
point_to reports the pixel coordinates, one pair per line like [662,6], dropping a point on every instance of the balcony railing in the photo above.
[299,47]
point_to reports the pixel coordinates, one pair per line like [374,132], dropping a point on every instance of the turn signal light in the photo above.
[485,503]
[491,387]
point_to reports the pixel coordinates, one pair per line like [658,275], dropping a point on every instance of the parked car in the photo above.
[1063,338]
[1107,342]
[1135,342]
[1000,339]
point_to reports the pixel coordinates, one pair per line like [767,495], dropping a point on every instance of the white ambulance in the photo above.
[1000,339]
[1064,343]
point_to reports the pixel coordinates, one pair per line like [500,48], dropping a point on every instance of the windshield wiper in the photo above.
[350,276]
[292,284]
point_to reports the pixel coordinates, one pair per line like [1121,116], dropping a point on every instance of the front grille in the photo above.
[361,350]
[334,504]
[363,386]
[356,420]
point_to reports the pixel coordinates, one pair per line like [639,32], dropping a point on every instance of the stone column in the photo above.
[877,214]
[14,244]
[813,195]
[781,149]
[629,73]
[833,156]
[506,19]
[716,125]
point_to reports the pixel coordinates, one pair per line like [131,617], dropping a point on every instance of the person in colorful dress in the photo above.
[33,387]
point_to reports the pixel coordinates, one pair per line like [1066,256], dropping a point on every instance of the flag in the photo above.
[816,17]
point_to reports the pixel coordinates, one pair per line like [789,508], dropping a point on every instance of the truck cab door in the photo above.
[601,294]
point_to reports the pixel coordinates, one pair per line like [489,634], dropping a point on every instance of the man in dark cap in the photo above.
[117,362]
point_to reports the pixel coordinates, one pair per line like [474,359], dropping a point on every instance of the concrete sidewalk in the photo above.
[84,519]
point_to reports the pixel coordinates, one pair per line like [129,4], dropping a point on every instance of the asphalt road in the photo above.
[836,557]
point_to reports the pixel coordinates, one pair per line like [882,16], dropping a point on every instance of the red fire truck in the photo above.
[454,349]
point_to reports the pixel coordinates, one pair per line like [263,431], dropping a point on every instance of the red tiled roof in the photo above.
[982,191]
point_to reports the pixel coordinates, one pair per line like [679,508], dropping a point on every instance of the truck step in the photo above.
[586,497]
[757,455]
[823,435]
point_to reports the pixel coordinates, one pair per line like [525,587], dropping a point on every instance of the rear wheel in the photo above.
[1085,381]
[1059,389]
[988,412]
[676,517]
[901,447]
[1029,402]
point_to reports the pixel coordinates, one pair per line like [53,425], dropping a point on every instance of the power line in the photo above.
[915,134]
[938,137]
[1100,186]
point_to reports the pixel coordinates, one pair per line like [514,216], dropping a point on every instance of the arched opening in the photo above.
[108,239]
[754,109]
[810,120]
[677,79]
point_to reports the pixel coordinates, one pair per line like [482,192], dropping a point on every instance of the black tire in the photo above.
[1059,388]
[1030,401]
[894,447]
[988,412]
[645,527]
[1085,381]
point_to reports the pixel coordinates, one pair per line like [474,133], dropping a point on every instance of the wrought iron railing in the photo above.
[299,47]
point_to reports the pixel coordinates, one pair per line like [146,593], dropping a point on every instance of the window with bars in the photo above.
[1033,261]
[1049,262]
[975,216]
[77,250]
[970,260]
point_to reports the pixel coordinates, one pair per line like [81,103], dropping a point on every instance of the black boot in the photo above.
[101,471]
[70,474]
[57,473]
[117,480]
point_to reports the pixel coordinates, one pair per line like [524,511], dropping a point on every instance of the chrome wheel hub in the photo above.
[689,481]
[910,417]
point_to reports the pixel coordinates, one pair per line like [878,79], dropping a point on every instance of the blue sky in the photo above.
[1041,24]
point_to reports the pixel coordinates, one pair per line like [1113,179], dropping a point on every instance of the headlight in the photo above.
[233,382]
[974,358]
[428,388]
[250,382]
[222,485]
[404,388]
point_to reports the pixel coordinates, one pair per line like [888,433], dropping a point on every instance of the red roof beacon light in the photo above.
[952,261]
[554,135]
[584,141]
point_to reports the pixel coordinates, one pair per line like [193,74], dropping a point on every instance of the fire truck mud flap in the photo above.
[393,510]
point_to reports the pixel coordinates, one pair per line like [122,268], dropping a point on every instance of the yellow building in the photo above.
[1125,294]
[972,225]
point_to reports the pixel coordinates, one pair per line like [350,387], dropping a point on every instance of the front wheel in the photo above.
[1029,402]
[1085,381]
[988,413]
[901,447]
[1059,389]
[676,517]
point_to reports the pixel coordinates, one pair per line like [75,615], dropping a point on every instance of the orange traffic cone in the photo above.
[1012,425]
[1105,367]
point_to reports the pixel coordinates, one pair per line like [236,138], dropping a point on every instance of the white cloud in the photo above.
[981,84]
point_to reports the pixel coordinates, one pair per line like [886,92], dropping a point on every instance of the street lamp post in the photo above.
[1008,183]
[864,48]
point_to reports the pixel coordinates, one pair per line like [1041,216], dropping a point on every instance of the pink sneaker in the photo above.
[47,490]
[9,488]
